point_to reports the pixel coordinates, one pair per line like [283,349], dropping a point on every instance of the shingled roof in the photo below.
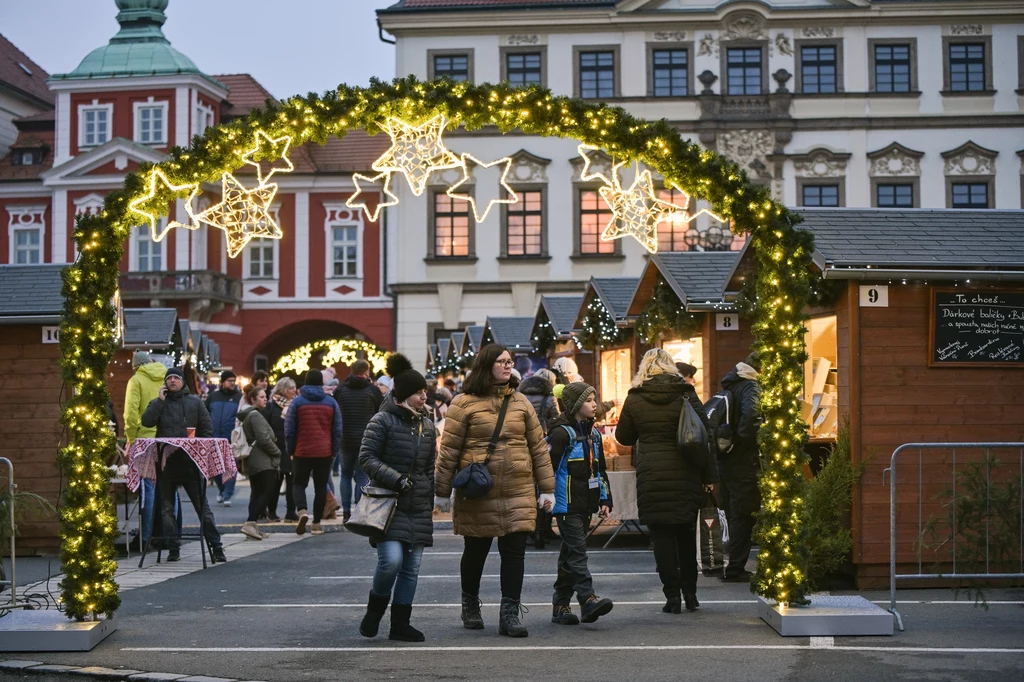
[698,278]
[474,335]
[457,341]
[561,312]
[30,292]
[615,293]
[150,327]
[514,333]
[20,74]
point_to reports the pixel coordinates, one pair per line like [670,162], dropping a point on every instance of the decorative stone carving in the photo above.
[784,45]
[820,163]
[966,30]
[530,39]
[818,32]
[528,168]
[599,163]
[669,36]
[970,159]
[707,46]
[707,79]
[449,176]
[748,148]
[782,77]
[744,25]
[895,161]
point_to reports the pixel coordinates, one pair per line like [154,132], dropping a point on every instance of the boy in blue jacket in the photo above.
[581,489]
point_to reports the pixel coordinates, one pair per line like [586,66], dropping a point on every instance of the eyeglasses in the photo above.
[504,363]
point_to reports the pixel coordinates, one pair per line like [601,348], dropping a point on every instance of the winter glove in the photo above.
[405,484]
[546,501]
[442,504]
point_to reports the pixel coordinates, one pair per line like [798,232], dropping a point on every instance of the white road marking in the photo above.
[590,552]
[456,606]
[823,642]
[603,647]
[550,576]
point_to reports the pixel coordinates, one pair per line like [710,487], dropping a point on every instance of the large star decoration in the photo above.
[637,210]
[142,205]
[269,148]
[416,152]
[243,214]
[365,184]
[511,196]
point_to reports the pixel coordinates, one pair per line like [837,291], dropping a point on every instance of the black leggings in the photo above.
[512,548]
[263,486]
[675,553]
[320,468]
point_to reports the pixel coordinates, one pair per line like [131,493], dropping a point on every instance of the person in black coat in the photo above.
[670,480]
[539,390]
[398,452]
[359,399]
[281,397]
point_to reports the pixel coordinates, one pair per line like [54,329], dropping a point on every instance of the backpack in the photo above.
[240,446]
[720,413]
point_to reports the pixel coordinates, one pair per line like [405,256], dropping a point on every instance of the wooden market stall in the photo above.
[514,334]
[602,321]
[915,335]
[553,327]
[458,361]
[155,330]
[471,344]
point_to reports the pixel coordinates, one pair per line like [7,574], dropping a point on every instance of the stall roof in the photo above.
[31,294]
[514,333]
[474,335]
[151,327]
[615,294]
[458,338]
[432,358]
[184,329]
[561,312]
[698,278]
[444,347]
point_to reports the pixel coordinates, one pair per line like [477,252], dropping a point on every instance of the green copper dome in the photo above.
[139,48]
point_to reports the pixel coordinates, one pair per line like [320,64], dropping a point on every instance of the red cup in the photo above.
[191,432]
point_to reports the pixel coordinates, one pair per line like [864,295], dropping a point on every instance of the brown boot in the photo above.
[332,507]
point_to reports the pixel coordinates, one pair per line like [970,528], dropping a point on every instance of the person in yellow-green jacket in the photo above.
[143,387]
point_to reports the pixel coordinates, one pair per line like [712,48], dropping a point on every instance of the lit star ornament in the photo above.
[269,148]
[416,152]
[586,150]
[142,207]
[511,197]
[366,184]
[637,210]
[243,214]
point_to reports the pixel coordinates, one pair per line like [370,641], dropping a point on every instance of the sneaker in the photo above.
[227,502]
[291,517]
[561,614]
[218,556]
[220,498]
[300,528]
[741,577]
[173,554]
[316,529]
[594,607]
[250,530]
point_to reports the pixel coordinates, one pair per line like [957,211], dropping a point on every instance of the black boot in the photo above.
[375,609]
[673,606]
[471,618]
[691,601]
[401,631]
[509,623]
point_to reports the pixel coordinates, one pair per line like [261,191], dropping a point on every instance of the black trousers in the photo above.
[195,490]
[320,469]
[741,499]
[573,572]
[289,495]
[512,548]
[675,553]
[264,487]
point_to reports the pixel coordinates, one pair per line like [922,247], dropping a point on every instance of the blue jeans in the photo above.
[398,566]
[225,488]
[148,504]
[350,470]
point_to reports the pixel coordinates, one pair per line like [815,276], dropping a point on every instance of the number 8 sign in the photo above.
[727,322]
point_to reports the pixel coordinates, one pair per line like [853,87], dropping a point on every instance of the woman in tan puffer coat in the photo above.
[520,464]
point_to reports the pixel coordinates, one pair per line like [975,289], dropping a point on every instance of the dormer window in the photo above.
[26,157]
[151,122]
[94,123]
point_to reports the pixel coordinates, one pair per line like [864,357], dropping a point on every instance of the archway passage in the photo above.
[329,353]
[317,328]
[784,257]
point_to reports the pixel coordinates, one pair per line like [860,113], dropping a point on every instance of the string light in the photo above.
[140,205]
[336,351]
[243,214]
[416,152]
[259,152]
[636,211]
[384,181]
[511,197]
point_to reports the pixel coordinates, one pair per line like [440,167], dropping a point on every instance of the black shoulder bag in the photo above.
[475,480]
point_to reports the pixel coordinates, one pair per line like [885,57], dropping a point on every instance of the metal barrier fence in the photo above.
[13,582]
[954,531]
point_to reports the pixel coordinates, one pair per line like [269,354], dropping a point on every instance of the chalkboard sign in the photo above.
[976,328]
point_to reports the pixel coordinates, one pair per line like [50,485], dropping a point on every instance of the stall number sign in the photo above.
[874,297]
[727,322]
[51,334]
[972,328]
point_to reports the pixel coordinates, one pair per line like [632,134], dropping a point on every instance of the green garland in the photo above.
[665,315]
[784,256]
[545,338]
[599,328]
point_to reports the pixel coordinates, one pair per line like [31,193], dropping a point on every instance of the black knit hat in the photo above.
[174,372]
[407,380]
[227,374]
[574,395]
[314,377]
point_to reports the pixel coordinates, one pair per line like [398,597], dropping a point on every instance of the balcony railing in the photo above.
[181,285]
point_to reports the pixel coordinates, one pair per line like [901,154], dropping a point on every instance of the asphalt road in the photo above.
[291,614]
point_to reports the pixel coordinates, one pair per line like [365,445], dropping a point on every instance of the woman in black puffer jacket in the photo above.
[539,390]
[398,452]
[670,480]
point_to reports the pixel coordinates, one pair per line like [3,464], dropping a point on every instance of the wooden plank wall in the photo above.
[722,350]
[30,397]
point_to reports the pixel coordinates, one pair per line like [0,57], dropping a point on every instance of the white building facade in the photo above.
[861,103]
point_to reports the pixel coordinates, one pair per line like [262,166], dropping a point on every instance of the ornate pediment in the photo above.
[820,163]
[744,25]
[970,159]
[750,149]
[895,161]
[528,168]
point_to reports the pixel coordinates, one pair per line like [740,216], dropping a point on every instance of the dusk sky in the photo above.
[290,47]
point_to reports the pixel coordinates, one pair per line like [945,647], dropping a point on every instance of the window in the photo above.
[820,195]
[150,123]
[261,258]
[893,68]
[594,217]
[894,195]
[204,119]
[27,157]
[455,66]
[744,71]
[451,227]
[671,72]
[672,233]
[969,194]
[26,246]
[524,68]
[596,74]
[819,69]
[345,246]
[94,125]
[966,67]
[525,225]
[148,253]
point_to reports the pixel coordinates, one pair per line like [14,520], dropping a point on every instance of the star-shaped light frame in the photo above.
[416,151]
[467,176]
[243,214]
[382,179]
[137,206]
[250,156]
[636,210]
[585,174]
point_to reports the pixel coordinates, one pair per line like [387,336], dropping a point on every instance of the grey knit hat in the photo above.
[574,395]
[140,358]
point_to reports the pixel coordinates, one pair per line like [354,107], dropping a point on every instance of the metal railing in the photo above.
[11,488]
[181,284]
[954,531]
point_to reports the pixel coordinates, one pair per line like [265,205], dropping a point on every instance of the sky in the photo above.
[308,45]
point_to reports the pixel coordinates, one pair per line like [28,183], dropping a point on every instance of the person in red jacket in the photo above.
[312,432]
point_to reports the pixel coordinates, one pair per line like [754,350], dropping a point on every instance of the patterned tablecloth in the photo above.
[212,456]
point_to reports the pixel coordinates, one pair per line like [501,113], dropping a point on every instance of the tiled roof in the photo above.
[916,238]
[615,293]
[13,74]
[150,326]
[475,334]
[31,290]
[354,152]
[244,94]
[184,333]
[561,311]
[9,171]
[443,348]
[48,116]
[699,277]
[432,353]
[457,339]
[513,332]
[427,5]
